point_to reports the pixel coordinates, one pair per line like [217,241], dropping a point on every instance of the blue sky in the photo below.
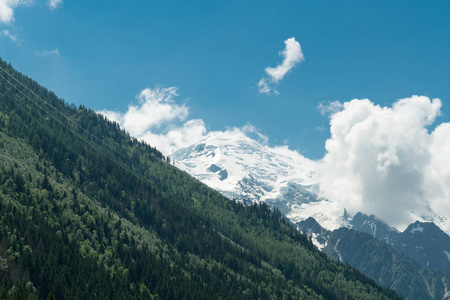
[103,53]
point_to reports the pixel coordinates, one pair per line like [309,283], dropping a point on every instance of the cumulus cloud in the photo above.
[54,4]
[155,119]
[437,180]
[45,53]
[177,137]
[292,55]
[384,161]
[155,108]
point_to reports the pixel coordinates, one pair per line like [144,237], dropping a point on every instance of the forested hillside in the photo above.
[88,212]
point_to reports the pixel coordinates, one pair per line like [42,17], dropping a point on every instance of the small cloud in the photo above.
[250,129]
[45,53]
[320,128]
[263,86]
[292,55]
[54,4]
[329,108]
[11,36]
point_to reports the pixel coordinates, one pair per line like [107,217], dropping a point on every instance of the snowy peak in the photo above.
[232,163]
[375,227]
[310,226]
[243,169]
[427,228]
[427,244]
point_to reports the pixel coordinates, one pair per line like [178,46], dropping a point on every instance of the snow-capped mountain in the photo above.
[375,227]
[427,244]
[244,169]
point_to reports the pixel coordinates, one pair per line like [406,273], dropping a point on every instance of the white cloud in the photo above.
[292,55]
[177,137]
[7,10]
[45,53]
[263,86]
[438,173]
[11,36]
[54,4]
[383,160]
[156,106]
[250,129]
[330,108]
[155,119]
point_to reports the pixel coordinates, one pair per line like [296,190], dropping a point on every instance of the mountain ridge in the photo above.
[382,262]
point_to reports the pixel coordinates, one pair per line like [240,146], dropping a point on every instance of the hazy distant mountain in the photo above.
[423,241]
[387,265]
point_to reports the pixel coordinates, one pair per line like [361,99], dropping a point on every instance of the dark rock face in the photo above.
[422,241]
[401,271]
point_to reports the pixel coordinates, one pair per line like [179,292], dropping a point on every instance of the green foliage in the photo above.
[88,212]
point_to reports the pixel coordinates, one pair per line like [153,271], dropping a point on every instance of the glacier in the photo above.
[243,169]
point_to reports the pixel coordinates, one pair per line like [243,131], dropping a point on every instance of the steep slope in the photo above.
[89,212]
[379,261]
[375,227]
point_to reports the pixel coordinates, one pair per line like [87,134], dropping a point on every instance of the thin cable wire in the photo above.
[66,117]
[87,131]
[106,145]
